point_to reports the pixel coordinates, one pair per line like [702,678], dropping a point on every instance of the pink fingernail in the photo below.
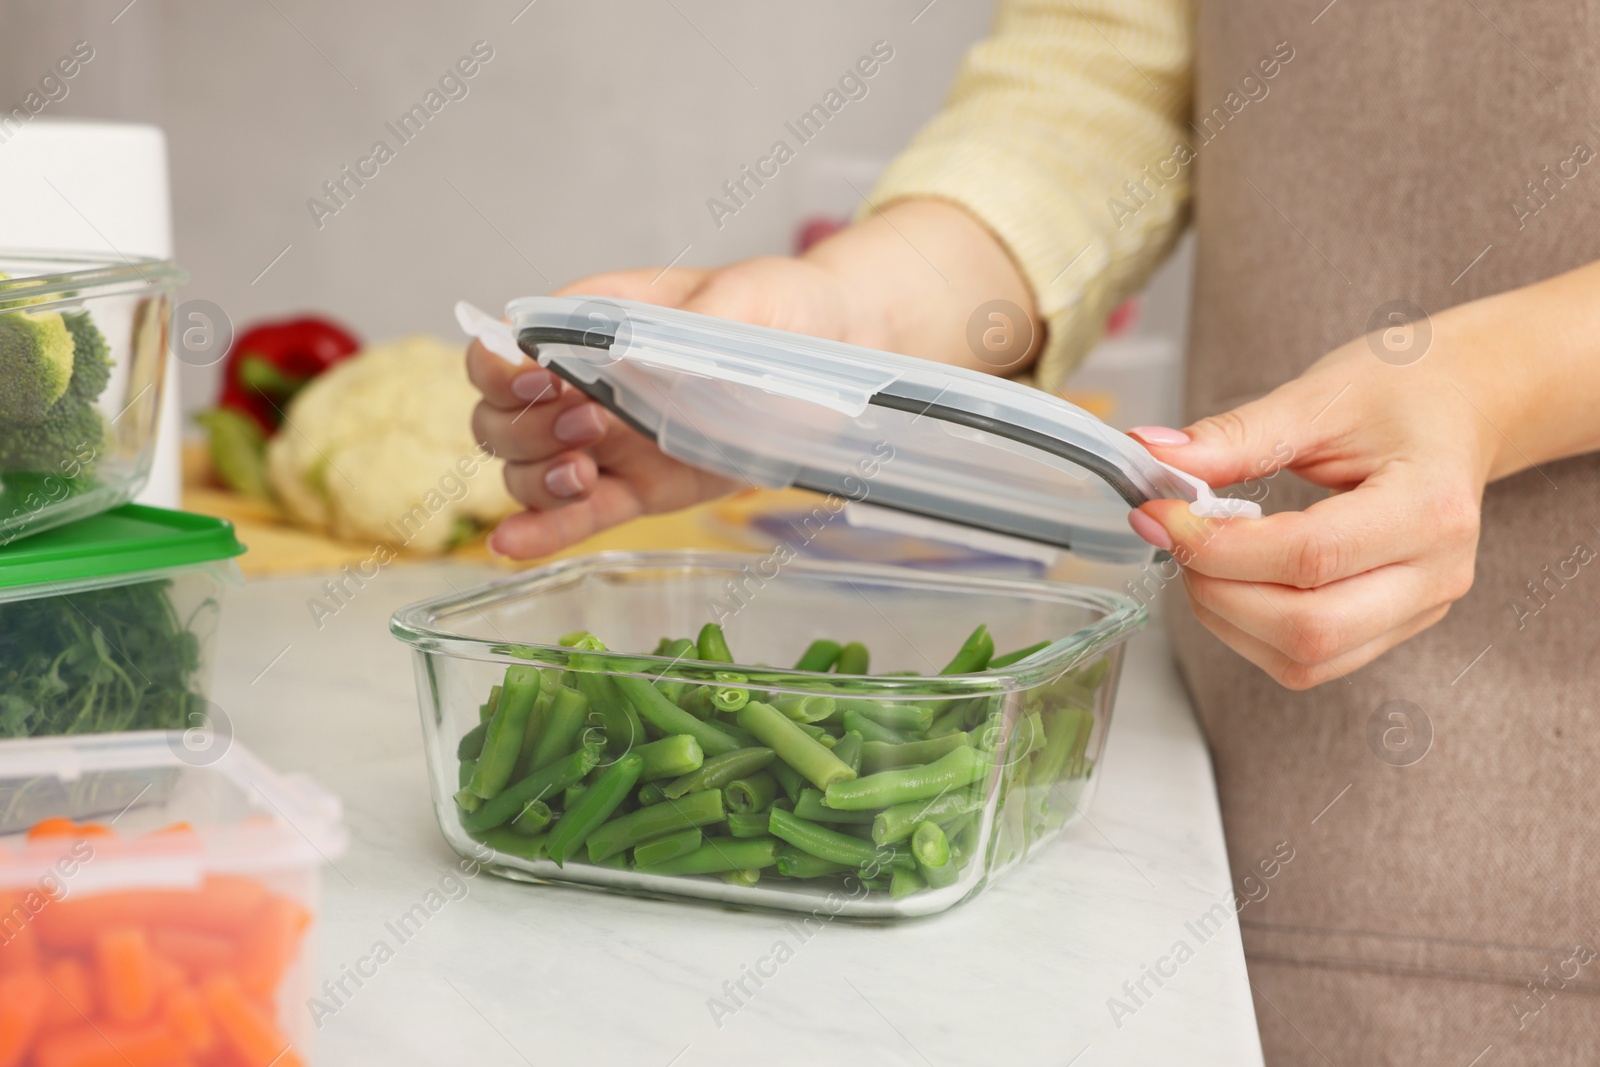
[1160,435]
[578,425]
[533,384]
[563,481]
[1150,530]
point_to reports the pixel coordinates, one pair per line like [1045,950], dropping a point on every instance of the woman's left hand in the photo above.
[1407,446]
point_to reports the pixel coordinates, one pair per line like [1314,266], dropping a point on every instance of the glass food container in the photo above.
[83,344]
[778,730]
[175,922]
[107,624]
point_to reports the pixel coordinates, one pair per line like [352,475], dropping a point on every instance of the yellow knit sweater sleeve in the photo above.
[1050,116]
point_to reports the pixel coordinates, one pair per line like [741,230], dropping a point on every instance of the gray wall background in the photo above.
[591,140]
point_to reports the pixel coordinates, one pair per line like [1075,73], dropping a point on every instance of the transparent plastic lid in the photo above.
[777,409]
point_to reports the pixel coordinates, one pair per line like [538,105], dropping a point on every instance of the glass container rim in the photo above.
[67,274]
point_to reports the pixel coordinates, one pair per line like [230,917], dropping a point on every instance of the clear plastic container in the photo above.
[176,922]
[107,624]
[1034,729]
[83,344]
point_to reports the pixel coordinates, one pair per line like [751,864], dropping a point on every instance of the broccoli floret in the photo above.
[91,357]
[35,364]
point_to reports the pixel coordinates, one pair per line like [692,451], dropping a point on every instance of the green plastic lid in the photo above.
[121,541]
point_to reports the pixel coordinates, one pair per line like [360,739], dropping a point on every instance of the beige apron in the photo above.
[1443,902]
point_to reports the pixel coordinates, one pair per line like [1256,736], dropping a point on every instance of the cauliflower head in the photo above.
[380,448]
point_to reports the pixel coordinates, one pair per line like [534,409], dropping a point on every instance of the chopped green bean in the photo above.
[721,854]
[958,769]
[898,821]
[832,845]
[951,720]
[793,863]
[747,823]
[931,849]
[594,807]
[713,645]
[467,800]
[1060,745]
[974,654]
[538,715]
[801,708]
[515,844]
[486,709]
[545,782]
[669,816]
[848,750]
[903,883]
[877,756]
[818,734]
[533,818]
[718,771]
[670,757]
[1020,654]
[907,718]
[872,731]
[745,878]
[568,711]
[471,743]
[819,656]
[650,793]
[752,794]
[503,743]
[464,775]
[667,717]
[730,694]
[607,705]
[667,847]
[853,659]
[789,778]
[793,745]
[810,806]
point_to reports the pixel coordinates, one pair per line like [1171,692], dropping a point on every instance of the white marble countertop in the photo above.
[505,973]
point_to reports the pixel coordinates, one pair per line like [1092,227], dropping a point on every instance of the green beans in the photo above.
[667,717]
[670,757]
[730,694]
[931,849]
[626,831]
[744,878]
[832,845]
[903,883]
[789,779]
[667,847]
[877,756]
[1020,654]
[872,731]
[503,742]
[1061,743]
[848,750]
[793,863]
[960,768]
[543,783]
[907,718]
[594,807]
[650,793]
[471,743]
[712,645]
[974,654]
[747,823]
[810,806]
[810,757]
[615,714]
[514,844]
[568,711]
[898,821]
[721,854]
[718,771]
[752,794]
[486,709]
[467,800]
[818,656]
[533,818]
[852,659]
[808,709]
[468,768]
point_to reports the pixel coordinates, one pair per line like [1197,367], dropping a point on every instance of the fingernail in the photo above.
[577,425]
[1150,530]
[533,384]
[492,543]
[1160,435]
[563,480]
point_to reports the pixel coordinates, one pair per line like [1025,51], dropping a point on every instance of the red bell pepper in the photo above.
[270,362]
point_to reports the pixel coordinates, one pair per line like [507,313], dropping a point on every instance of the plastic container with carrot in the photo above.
[176,929]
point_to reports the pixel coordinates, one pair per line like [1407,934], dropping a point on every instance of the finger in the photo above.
[1378,523]
[563,479]
[1293,675]
[505,386]
[668,288]
[1312,625]
[1267,434]
[536,432]
[531,534]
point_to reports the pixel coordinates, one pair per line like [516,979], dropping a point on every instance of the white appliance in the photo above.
[98,188]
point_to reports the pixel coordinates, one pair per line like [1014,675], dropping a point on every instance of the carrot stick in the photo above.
[244,1027]
[187,1018]
[19,938]
[71,997]
[127,978]
[55,826]
[270,945]
[22,1004]
[108,1045]
[198,954]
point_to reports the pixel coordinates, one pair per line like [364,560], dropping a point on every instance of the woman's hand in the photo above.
[579,470]
[1508,382]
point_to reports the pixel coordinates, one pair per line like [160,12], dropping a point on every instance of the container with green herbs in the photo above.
[106,624]
[868,741]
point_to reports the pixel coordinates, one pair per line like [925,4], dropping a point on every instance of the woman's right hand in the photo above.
[578,469]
